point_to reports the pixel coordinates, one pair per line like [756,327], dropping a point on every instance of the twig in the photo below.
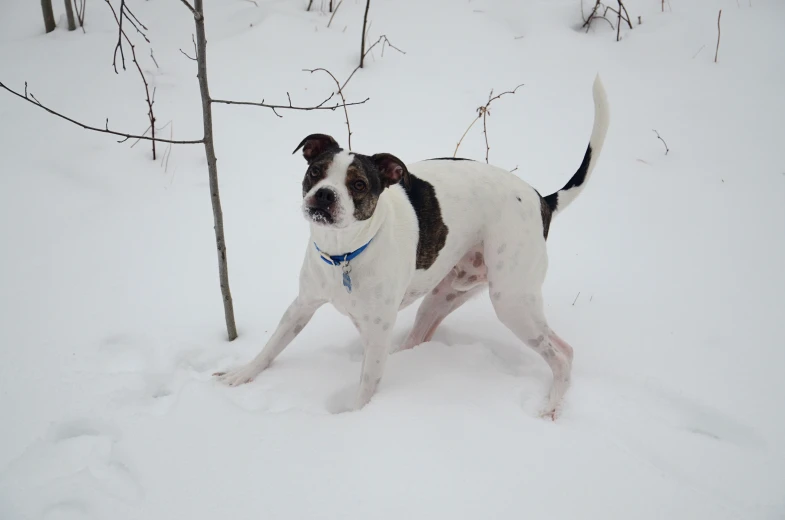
[124,12]
[717,52]
[384,41]
[621,15]
[699,51]
[365,22]
[343,101]
[482,113]
[154,60]
[196,54]
[333,15]
[663,141]
[186,55]
[464,135]
[30,98]
[290,106]
[576,298]
[119,45]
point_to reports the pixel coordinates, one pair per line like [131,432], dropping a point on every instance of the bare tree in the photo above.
[212,168]
[126,17]
[365,22]
[49,16]
[69,13]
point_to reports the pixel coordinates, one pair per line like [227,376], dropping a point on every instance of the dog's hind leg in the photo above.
[465,280]
[436,306]
[515,281]
[524,317]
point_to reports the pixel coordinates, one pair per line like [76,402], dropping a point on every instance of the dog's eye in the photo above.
[359,185]
[315,171]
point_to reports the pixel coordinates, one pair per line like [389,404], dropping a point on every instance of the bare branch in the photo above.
[717,51]
[290,106]
[126,13]
[464,135]
[333,15]
[663,141]
[119,46]
[154,60]
[482,113]
[343,100]
[621,15]
[365,22]
[186,55]
[33,100]
[384,41]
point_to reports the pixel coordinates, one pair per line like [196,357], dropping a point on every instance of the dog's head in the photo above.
[340,187]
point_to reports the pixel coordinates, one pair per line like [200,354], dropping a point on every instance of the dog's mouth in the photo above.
[320,216]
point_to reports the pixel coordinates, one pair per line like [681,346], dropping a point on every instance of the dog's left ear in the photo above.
[314,145]
[392,169]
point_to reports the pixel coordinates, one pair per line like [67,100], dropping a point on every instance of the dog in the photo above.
[384,234]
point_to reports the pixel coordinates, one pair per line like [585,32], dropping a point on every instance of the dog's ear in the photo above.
[314,145]
[392,169]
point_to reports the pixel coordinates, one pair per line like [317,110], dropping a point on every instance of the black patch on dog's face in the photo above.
[433,230]
[365,185]
[317,169]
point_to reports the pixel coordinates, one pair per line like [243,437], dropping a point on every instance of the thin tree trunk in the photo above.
[365,22]
[49,16]
[212,167]
[69,13]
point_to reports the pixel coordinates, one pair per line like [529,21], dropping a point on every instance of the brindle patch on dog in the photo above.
[365,186]
[433,230]
[317,170]
[547,213]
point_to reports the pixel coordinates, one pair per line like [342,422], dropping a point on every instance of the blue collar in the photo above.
[337,260]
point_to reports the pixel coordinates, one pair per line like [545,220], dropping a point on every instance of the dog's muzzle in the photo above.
[320,207]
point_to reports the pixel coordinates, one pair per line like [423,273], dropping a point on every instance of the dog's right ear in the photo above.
[314,145]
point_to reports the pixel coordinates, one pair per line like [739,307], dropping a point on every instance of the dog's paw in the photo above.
[240,375]
[550,413]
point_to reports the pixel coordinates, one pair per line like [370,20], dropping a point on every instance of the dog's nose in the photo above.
[324,196]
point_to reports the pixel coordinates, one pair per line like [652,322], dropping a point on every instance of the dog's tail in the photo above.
[562,198]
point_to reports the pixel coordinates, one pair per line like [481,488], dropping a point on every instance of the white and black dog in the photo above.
[384,234]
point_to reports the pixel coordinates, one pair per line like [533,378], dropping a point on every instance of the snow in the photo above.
[665,276]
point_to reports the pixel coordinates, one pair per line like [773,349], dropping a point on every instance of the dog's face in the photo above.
[341,188]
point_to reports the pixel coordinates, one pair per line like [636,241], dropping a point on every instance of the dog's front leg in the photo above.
[294,320]
[376,336]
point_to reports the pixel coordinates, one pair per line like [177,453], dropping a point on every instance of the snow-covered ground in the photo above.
[666,276]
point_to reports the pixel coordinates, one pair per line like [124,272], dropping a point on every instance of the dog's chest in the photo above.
[362,285]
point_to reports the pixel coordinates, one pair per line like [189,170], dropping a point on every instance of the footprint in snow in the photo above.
[75,460]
